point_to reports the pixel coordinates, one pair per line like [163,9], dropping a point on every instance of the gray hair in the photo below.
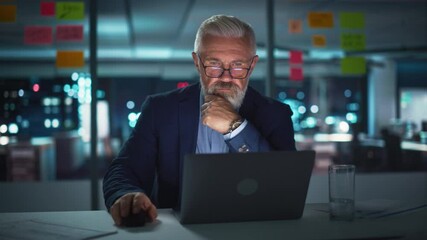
[225,26]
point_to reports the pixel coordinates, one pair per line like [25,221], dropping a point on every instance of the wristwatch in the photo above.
[234,125]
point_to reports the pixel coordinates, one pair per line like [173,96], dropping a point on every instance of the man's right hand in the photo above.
[132,203]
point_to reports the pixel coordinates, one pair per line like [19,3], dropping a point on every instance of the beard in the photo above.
[235,97]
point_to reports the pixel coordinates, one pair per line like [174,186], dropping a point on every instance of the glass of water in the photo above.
[341,192]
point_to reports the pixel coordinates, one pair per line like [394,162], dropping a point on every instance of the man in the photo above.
[221,114]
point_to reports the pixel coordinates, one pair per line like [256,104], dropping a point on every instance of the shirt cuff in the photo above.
[236,131]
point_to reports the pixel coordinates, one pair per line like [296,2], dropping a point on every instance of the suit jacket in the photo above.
[150,160]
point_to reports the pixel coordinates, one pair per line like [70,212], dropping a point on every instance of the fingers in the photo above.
[132,203]
[141,201]
[217,113]
[115,214]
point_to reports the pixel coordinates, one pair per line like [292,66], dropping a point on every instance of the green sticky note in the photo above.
[352,20]
[353,65]
[70,10]
[353,41]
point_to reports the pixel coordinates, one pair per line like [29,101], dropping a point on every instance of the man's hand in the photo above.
[218,113]
[132,203]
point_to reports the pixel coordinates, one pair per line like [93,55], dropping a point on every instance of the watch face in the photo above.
[236,124]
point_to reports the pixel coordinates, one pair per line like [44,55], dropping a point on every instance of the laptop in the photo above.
[234,187]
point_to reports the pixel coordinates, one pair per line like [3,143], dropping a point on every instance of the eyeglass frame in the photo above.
[226,69]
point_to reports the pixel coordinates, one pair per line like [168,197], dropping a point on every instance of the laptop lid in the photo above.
[231,187]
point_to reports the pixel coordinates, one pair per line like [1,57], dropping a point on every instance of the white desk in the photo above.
[313,225]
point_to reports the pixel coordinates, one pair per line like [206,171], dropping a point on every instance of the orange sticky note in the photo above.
[321,20]
[295,26]
[66,59]
[7,13]
[318,40]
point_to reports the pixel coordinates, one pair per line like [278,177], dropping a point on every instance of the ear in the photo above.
[254,62]
[195,60]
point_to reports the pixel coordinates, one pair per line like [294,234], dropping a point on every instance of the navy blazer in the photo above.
[150,160]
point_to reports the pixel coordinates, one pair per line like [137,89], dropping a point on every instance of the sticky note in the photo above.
[47,8]
[36,35]
[7,13]
[66,33]
[65,59]
[353,65]
[353,41]
[296,74]
[70,10]
[318,40]
[182,84]
[352,20]
[295,26]
[295,57]
[320,20]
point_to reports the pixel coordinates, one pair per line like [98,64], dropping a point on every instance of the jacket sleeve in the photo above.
[271,129]
[133,170]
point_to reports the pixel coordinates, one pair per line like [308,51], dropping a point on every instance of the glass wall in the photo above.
[326,55]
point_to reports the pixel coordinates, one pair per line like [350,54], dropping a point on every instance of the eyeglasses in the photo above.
[235,72]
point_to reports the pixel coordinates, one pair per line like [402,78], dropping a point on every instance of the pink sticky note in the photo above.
[296,74]
[295,57]
[69,33]
[38,35]
[182,84]
[47,8]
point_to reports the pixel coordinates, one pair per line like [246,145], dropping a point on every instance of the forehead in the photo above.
[225,47]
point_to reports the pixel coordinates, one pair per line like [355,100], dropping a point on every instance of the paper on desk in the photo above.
[37,230]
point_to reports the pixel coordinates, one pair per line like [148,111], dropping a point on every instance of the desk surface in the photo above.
[313,225]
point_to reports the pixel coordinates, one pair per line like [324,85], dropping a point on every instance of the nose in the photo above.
[226,76]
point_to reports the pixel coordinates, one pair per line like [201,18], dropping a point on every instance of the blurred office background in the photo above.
[354,73]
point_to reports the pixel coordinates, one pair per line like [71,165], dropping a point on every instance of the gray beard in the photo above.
[235,99]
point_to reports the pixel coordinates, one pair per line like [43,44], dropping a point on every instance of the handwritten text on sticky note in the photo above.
[353,41]
[295,26]
[318,40]
[35,35]
[70,10]
[73,33]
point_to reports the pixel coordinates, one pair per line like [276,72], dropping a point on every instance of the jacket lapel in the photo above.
[188,119]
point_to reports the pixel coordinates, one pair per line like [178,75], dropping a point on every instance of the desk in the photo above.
[313,225]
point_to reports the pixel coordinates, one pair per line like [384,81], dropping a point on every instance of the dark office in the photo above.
[196,119]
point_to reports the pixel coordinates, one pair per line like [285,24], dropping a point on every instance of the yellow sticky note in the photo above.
[352,20]
[353,41]
[318,40]
[353,65]
[7,13]
[70,10]
[321,20]
[65,59]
